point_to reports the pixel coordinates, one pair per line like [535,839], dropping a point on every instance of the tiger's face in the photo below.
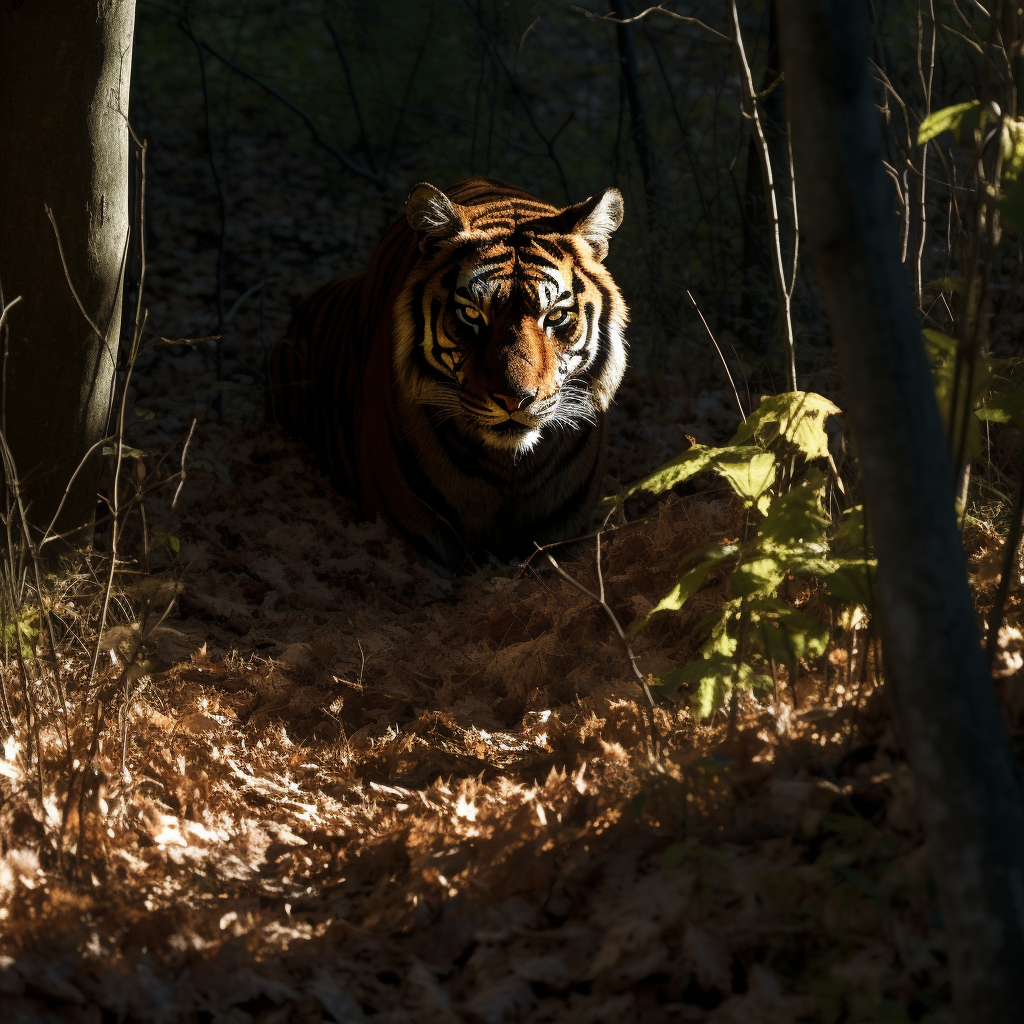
[515,326]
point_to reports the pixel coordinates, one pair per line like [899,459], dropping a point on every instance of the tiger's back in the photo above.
[459,385]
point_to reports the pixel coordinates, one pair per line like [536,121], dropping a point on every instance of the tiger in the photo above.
[460,385]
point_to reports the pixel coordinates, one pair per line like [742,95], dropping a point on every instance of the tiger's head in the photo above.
[511,324]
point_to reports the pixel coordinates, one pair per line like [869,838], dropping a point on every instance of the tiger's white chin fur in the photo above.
[519,443]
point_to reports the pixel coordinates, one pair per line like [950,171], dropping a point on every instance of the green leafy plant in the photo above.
[766,464]
[971,385]
[166,540]
[201,458]
[996,391]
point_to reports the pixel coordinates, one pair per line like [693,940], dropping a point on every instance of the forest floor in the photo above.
[347,787]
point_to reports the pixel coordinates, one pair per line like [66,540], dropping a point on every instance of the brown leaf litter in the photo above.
[344,787]
[352,788]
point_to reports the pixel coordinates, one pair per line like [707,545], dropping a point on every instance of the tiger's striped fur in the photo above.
[459,385]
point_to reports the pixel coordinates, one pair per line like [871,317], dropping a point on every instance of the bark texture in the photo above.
[65,69]
[967,792]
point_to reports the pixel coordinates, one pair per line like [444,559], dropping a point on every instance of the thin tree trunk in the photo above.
[65,69]
[967,793]
[639,129]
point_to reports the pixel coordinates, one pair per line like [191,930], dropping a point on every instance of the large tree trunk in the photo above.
[947,716]
[65,68]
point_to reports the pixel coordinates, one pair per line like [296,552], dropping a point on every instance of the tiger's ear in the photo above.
[595,219]
[431,213]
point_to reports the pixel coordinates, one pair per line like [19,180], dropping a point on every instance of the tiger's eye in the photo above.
[557,318]
[470,316]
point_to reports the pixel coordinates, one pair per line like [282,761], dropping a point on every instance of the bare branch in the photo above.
[341,156]
[517,91]
[599,598]
[364,138]
[643,14]
[184,454]
[67,274]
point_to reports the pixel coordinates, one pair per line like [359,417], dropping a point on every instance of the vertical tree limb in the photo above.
[926,88]
[65,71]
[639,128]
[967,792]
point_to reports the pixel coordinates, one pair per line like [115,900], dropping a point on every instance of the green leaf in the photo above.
[749,475]
[1013,148]
[1012,202]
[937,344]
[719,641]
[948,284]
[852,581]
[682,467]
[715,677]
[797,517]
[144,414]
[199,458]
[166,540]
[23,631]
[792,420]
[760,576]
[948,119]
[715,682]
[687,586]
[852,533]
[1005,408]
[127,452]
[942,351]
[786,633]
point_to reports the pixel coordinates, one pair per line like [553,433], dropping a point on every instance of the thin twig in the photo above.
[750,102]
[5,333]
[116,523]
[184,454]
[637,114]
[44,610]
[49,534]
[342,157]
[3,313]
[926,87]
[517,92]
[796,215]
[396,133]
[14,596]
[364,138]
[643,14]
[222,208]
[725,365]
[237,305]
[599,598]
[67,275]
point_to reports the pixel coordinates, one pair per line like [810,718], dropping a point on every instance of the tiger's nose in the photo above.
[514,403]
